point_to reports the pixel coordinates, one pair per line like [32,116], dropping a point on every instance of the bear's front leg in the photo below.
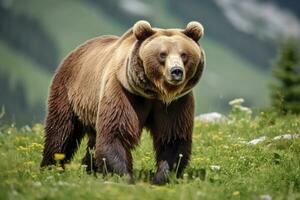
[118,131]
[171,156]
[172,136]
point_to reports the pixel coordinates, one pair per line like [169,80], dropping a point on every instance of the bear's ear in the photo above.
[194,30]
[142,29]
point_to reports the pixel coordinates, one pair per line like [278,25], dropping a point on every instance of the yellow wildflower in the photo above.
[36,146]
[59,156]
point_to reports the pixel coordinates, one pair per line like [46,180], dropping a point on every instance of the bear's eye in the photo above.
[184,57]
[162,57]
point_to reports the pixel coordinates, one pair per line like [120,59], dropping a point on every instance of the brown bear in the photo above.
[112,87]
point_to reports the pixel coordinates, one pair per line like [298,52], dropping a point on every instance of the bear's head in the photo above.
[167,62]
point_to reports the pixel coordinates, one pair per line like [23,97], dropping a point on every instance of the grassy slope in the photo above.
[69,27]
[22,70]
[226,76]
[70,23]
[73,22]
[246,171]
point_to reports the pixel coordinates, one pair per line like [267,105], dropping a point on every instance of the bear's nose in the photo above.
[176,73]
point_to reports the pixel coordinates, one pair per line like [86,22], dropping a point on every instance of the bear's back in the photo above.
[86,66]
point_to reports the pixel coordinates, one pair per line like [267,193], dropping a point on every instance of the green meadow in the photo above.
[223,165]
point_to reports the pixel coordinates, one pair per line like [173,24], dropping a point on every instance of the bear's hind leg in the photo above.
[63,130]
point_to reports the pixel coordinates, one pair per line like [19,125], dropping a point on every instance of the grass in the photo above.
[241,171]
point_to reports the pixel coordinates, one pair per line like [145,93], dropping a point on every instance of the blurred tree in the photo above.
[286,69]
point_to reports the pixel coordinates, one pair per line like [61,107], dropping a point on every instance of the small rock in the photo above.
[210,117]
[215,168]
[287,137]
[265,197]
[257,140]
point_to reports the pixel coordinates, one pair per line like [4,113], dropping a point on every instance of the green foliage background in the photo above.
[286,93]
[36,35]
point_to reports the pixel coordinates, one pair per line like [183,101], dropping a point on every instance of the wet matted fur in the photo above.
[110,88]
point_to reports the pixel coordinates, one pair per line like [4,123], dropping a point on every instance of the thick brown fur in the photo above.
[112,87]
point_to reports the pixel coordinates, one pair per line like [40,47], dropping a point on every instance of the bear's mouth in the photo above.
[167,91]
[174,82]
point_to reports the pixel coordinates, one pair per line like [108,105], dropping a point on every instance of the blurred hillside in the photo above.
[240,40]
